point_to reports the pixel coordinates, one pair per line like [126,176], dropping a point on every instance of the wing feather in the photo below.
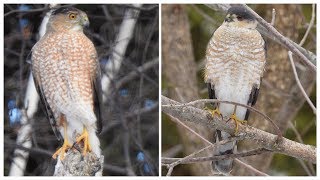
[97,99]
[47,108]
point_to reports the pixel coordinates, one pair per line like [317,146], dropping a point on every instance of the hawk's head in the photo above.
[68,18]
[240,17]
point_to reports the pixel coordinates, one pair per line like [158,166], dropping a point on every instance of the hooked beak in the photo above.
[228,18]
[85,21]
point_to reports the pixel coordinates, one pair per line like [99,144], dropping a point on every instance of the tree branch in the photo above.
[75,164]
[213,158]
[264,139]
[300,85]
[282,39]
[123,39]
[171,166]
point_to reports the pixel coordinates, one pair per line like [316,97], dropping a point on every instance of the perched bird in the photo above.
[235,60]
[66,73]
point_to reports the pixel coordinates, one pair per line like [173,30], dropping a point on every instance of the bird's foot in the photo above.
[84,137]
[61,151]
[237,121]
[213,112]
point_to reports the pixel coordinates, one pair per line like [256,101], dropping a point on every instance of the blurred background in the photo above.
[186,30]
[129,138]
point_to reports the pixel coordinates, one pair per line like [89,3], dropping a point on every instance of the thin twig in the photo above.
[185,159]
[299,83]
[313,16]
[46,7]
[170,171]
[298,136]
[208,142]
[294,129]
[250,168]
[273,20]
[214,158]
[133,74]
[189,129]
[204,15]
[282,39]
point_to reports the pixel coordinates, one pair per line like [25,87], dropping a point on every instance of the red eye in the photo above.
[240,18]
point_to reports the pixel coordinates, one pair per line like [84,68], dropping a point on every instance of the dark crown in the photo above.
[241,11]
[63,10]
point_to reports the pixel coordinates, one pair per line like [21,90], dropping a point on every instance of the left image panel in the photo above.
[81,86]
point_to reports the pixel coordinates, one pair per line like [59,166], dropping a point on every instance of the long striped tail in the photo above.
[224,166]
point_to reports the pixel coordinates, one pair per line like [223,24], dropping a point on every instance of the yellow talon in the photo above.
[213,112]
[66,146]
[216,111]
[237,121]
[85,138]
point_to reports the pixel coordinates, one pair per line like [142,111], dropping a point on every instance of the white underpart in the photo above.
[79,114]
[234,64]
[233,69]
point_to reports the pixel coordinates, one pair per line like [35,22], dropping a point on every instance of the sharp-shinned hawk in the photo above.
[235,60]
[66,73]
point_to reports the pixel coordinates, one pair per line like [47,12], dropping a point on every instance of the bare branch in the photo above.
[136,72]
[298,136]
[210,145]
[273,20]
[313,16]
[252,109]
[251,168]
[300,85]
[282,39]
[262,138]
[123,39]
[213,158]
[46,7]
[189,129]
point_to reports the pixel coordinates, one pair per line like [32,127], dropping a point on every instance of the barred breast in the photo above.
[235,60]
[66,65]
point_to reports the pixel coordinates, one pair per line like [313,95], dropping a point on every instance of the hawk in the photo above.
[235,60]
[66,74]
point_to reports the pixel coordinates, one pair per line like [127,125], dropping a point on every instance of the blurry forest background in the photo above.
[186,30]
[129,138]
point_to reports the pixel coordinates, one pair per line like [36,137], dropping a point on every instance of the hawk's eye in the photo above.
[240,18]
[72,16]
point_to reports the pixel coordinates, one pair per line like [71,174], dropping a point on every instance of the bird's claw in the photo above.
[61,151]
[84,137]
[213,112]
[237,121]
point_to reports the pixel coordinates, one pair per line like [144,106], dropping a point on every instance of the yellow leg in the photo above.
[85,138]
[213,112]
[66,146]
[237,121]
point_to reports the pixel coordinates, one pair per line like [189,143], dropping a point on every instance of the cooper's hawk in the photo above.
[235,61]
[66,73]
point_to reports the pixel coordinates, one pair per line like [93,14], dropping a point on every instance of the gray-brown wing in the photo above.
[47,108]
[98,99]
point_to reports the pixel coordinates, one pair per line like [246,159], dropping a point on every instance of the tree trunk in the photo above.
[179,69]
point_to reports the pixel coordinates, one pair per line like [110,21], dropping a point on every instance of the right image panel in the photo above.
[238,90]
